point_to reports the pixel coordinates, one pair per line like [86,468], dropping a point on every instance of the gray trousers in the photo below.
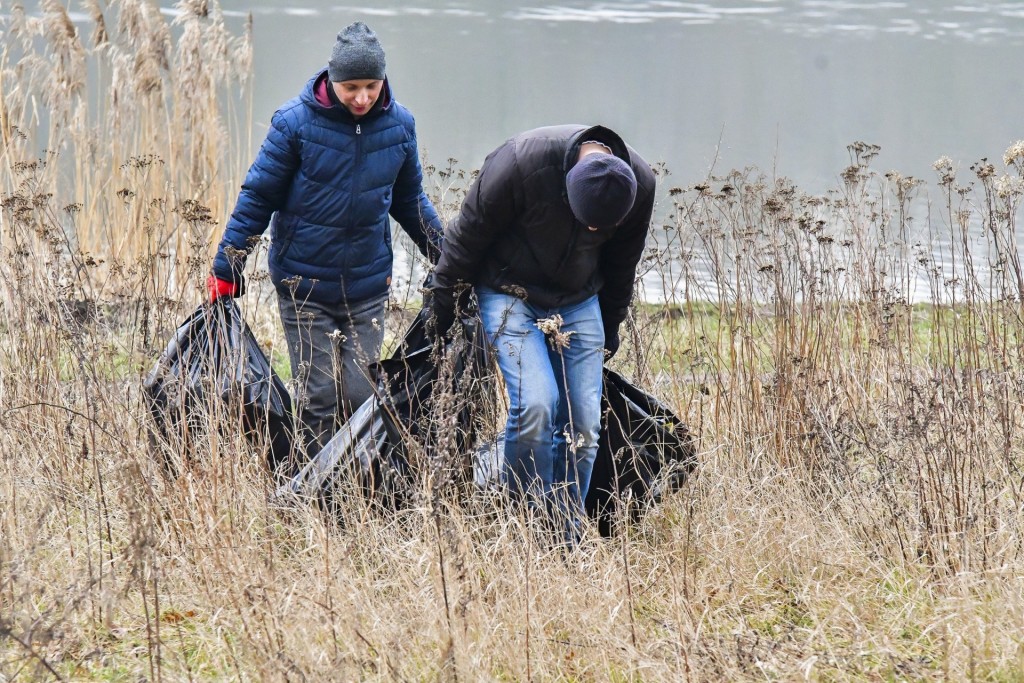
[330,348]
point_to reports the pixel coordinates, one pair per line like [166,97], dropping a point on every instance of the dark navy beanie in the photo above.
[601,189]
[357,55]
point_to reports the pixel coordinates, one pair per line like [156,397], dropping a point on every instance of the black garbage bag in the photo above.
[353,455]
[424,408]
[432,403]
[214,363]
[644,451]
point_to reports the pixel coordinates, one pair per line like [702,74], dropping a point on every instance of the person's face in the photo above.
[358,96]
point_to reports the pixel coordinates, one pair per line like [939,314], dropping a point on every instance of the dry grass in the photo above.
[857,514]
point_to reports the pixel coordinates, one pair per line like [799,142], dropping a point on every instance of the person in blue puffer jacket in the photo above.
[338,159]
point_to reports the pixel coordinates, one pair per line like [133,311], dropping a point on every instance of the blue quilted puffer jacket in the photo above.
[326,184]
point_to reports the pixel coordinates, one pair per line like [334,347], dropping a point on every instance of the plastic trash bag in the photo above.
[352,455]
[214,364]
[400,431]
[431,404]
[644,451]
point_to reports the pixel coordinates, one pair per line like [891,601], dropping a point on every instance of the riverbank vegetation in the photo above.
[850,363]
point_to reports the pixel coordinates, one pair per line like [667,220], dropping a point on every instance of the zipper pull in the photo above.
[358,130]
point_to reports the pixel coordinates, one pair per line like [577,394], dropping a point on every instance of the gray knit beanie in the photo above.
[357,55]
[601,190]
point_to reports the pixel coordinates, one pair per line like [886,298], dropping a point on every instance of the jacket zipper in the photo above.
[359,146]
[359,159]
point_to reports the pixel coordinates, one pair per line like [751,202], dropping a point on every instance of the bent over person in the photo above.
[549,236]
[338,159]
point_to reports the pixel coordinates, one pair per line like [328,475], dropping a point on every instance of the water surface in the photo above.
[784,85]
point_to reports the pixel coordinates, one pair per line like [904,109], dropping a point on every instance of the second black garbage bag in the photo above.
[644,451]
[422,422]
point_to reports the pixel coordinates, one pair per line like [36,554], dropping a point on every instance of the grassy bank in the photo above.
[857,514]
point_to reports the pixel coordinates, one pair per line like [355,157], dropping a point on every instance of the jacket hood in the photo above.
[597,134]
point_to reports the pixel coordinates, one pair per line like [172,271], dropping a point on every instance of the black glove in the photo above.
[443,314]
[432,252]
[611,341]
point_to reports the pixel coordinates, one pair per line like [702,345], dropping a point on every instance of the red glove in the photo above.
[218,288]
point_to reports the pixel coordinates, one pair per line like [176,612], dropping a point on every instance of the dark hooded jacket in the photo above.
[326,182]
[516,233]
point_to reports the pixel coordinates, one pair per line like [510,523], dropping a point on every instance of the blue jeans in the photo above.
[330,349]
[554,399]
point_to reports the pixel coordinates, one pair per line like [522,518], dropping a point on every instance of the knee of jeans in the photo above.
[534,420]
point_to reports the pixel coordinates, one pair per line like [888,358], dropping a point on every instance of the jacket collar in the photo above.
[318,87]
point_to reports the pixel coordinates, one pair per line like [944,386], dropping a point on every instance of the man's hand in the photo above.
[611,342]
[216,288]
[443,315]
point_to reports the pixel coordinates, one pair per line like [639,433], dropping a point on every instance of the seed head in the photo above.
[1014,154]
[574,440]
[552,328]
[1009,186]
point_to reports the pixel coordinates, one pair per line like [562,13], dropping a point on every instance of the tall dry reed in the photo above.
[130,127]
